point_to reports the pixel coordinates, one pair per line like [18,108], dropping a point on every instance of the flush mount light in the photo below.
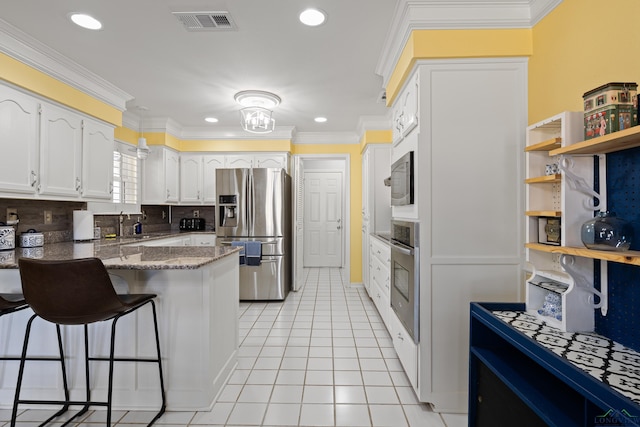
[211,120]
[320,119]
[312,17]
[255,117]
[85,21]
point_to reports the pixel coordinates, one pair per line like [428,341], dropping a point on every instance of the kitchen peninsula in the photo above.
[197,303]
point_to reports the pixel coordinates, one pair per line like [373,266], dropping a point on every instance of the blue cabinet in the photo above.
[523,372]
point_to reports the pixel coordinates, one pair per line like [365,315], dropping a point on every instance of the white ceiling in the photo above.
[186,76]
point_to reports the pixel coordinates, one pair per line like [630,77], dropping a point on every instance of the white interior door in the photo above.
[323,223]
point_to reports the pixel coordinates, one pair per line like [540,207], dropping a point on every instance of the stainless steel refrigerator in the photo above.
[254,212]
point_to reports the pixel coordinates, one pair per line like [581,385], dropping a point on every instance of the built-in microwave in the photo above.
[402,180]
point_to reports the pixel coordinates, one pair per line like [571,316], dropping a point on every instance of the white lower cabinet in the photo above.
[406,349]
[379,277]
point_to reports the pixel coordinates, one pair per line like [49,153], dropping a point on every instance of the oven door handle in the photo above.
[401,249]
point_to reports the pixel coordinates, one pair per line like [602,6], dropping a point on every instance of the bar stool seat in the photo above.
[11,302]
[79,292]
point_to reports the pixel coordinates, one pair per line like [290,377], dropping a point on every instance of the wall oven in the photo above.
[405,275]
[402,181]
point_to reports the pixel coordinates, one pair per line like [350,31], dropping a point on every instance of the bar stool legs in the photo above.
[24,358]
[111,359]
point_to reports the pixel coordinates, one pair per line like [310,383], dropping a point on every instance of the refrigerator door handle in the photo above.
[250,202]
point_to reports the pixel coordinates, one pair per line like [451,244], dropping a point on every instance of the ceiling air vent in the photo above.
[206,21]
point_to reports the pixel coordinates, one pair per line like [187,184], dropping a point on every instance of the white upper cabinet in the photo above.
[18,141]
[160,176]
[97,160]
[405,110]
[210,163]
[271,160]
[239,161]
[60,152]
[258,160]
[198,177]
[191,178]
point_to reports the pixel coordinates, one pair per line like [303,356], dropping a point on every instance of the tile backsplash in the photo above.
[154,218]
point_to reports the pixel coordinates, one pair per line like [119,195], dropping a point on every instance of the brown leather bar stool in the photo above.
[10,303]
[79,292]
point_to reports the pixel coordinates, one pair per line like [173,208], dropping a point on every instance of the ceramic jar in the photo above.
[607,232]
[7,237]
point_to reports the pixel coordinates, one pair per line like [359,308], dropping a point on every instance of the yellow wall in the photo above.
[580,45]
[451,44]
[35,81]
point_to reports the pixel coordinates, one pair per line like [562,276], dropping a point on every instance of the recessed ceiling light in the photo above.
[312,17]
[320,119]
[86,21]
[211,120]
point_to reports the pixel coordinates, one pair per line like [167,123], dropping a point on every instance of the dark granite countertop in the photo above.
[384,236]
[123,253]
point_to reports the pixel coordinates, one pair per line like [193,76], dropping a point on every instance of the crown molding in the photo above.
[413,15]
[366,123]
[326,138]
[24,48]
[541,8]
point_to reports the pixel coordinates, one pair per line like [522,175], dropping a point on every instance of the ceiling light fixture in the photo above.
[255,117]
[312,17]
[211,120]
[85,21]
[320,119]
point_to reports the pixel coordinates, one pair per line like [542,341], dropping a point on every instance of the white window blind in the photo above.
[125,178]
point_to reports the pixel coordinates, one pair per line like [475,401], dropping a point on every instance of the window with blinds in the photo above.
[125,178]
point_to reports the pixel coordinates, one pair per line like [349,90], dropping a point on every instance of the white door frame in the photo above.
[346,207]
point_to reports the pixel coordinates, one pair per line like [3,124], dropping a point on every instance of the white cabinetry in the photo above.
[18,141]
[376,199]
[469,200]
[198,177]
[257,160]
[380,262]
[405,110]
[210,163]
[160,176]
[60,152]
[561,197]
[52,152]
[97,163]
[191,178]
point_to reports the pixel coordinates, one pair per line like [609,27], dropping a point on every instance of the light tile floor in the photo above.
[320,358]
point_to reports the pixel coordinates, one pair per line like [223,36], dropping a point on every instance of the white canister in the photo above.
[7,237]
[82,225]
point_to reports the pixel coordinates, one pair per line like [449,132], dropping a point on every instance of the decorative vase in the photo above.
[607,232]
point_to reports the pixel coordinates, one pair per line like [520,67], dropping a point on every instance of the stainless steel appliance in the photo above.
[405,275]
[402,181]
[192,224]
[254,211]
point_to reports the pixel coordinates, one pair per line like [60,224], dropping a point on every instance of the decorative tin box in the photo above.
[610,108]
